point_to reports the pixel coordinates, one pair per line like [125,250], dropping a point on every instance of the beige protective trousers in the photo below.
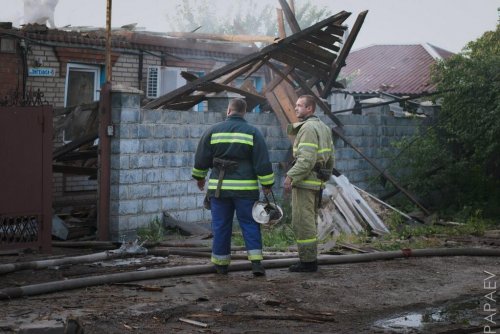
[304,213]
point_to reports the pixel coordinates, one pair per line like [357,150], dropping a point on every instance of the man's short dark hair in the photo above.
[309,101]
[238,106]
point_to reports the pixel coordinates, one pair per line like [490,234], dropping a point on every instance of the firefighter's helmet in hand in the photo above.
[267,213]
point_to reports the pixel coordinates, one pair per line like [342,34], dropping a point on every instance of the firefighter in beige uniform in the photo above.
[313,163]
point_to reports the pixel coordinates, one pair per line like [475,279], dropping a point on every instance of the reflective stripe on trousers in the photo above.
[304,214]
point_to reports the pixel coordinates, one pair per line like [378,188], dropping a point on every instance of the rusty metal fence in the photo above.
[25,177]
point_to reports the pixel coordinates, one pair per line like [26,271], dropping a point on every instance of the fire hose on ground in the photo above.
[37,289]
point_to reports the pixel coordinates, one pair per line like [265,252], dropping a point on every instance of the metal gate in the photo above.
[25,177]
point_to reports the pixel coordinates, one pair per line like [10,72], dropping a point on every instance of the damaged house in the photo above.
[165,92]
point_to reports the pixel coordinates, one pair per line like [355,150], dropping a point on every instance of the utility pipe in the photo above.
[107,255]
[37,289]
[40,264]
[182,252]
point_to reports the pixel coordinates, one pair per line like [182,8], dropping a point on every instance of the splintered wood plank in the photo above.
[299,63]
[278,111]
[326,37]
[308,58]
[287,101]
[319,42]
[290,17]
[346,48]
[291,93]
[335,30]
[234,74]
[318,52]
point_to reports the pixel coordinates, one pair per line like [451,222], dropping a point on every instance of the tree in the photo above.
[251,17]
[465,142]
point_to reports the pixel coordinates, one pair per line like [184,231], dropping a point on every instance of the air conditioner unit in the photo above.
[162,79]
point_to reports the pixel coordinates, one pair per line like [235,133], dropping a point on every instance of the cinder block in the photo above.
[141,161]
[162,131]
[152,175]
[170,174]
[129,207]
[128,146]
[145,131]
[187,202]
[130,176]
[170,203]
[151,205]
[152,146]
[137,191]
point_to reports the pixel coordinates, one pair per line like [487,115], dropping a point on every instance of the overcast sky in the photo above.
[448,24]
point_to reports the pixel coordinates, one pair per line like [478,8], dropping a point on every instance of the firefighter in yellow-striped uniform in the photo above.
[313,154]
[237,154]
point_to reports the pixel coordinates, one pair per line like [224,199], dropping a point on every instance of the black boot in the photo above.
[304,267]
[221,270]
[258,269]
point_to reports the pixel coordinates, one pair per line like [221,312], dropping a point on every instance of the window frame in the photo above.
[96,69]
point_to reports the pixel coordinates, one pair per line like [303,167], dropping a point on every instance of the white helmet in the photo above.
[266,213]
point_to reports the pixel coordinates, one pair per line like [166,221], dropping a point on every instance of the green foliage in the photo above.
[153,232]
[456,163]
[278,237]
[404,235]
[250,17]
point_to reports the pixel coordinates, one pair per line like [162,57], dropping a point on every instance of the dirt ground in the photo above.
[409,295]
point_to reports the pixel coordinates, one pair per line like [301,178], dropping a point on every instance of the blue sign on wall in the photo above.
[41,72]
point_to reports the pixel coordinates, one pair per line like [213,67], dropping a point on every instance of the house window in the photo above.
[202,106]
[162,80]
[257,83]
[7,45]
[82,84]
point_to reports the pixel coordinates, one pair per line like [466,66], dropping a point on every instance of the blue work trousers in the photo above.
[222,210]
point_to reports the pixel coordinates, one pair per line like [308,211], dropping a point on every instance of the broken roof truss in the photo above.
[306,62]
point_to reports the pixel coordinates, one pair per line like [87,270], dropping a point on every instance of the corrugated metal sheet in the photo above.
[394,69]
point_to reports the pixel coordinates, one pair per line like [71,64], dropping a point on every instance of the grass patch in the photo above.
[154,232]
[415,235]
[279,237]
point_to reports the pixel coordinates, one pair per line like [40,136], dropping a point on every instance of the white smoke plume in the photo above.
[40,11]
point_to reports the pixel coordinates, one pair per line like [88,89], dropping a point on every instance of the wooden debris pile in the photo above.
[345,211]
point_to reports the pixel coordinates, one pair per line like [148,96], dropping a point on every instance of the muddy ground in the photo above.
[409,295]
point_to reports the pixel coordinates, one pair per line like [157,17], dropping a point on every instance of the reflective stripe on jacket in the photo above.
[235,140]
[313,146]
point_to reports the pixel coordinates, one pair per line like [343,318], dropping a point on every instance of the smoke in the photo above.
[40,11]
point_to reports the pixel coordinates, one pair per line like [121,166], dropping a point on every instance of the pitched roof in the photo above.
[129,40]
[394,69]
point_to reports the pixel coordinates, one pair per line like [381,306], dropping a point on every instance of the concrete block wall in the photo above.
[153,154]
[374,136]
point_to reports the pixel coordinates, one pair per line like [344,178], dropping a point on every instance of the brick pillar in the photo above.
[125,113]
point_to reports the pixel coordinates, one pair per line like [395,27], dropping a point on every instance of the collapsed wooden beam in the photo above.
[268,50]
[382,172]
[319,101]
[290,17]
[339,63]
[74,145]
[226,38]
